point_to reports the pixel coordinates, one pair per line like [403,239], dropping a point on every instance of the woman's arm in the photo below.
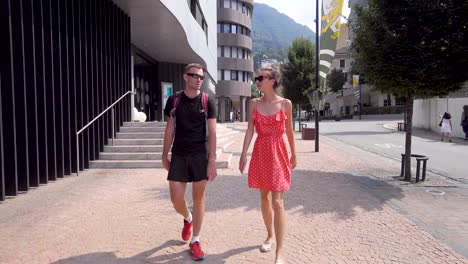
[248,137]
[290,133]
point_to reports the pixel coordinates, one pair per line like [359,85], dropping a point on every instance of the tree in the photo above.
[335,80]
[412,48]
[299,72]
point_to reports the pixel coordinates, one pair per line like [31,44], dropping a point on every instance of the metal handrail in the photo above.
[92,121]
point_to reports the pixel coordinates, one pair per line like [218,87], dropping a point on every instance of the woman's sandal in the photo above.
[266,246]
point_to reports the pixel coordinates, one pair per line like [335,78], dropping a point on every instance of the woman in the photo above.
[270,168]
[446,127]
[464,121]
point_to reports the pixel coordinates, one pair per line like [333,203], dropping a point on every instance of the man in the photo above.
[191,160]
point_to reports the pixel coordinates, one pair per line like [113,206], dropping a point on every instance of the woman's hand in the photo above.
[293,161]
[242,162]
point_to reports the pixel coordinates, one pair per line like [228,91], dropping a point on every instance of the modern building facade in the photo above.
[235,60]
[64,62]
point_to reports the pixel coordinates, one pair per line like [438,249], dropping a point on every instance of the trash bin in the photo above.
[308,133]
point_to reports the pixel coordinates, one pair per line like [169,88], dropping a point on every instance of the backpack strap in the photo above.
[176,99]
[204,102]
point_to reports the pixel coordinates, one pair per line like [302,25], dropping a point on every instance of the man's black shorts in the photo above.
[188,168]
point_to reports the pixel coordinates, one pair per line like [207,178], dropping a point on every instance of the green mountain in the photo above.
[273,33]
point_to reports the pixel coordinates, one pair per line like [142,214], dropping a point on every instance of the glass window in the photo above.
[219,28]
[342,63]
[234,75]
[234,52]
[226,52]
[234,29]
[227,74]
[219,75]
[243,8]
[220,50]
[226,28]
[227,3]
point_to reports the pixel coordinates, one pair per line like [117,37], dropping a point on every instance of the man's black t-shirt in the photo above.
[190,136]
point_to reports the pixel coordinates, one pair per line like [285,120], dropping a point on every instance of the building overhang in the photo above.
[161,34]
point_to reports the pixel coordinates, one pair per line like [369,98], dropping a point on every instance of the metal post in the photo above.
[112,124]
[77,154]
[360,100]
[317,61]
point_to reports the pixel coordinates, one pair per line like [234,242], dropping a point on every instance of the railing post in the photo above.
[77,155]
[112,124]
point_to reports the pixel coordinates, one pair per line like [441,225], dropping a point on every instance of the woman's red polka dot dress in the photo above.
[270,168]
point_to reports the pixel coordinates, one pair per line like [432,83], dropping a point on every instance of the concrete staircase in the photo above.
[140,144]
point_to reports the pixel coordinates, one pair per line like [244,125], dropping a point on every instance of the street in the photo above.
[446,159]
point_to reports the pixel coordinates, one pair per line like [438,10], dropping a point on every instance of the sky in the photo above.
[301,11]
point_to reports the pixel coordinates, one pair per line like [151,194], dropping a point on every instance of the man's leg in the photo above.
[177,190]
[198,193]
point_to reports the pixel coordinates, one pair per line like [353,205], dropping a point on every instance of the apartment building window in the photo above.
[234,29]
[197,13]
[227,74]
[342,63]
[226,28]
[244,8]
[219,28]
[226,52]
[220,51]
[234,75]
[227,3]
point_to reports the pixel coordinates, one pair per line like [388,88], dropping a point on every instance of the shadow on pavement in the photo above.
[145,257]
[110,257]
[313,192]
[435,137]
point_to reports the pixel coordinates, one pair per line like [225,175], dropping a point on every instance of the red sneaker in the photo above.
[197,252]
[187,231]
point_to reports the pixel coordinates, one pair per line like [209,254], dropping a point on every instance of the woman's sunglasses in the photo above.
[196,76]
[261,78]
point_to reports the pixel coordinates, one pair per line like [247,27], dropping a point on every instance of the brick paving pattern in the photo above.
[125,217]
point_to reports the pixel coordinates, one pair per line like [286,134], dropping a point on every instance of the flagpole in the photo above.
[317,60]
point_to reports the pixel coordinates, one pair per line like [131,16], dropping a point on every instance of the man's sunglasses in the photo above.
[261,78]
[196,76]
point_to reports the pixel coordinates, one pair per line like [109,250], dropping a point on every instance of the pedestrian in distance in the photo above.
[270,167]
[446,127]
[464,121]
[191,130]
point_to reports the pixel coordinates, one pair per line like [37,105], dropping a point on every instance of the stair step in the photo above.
[124,164]
[140,135]
[142,148]
[144,124]
[141,129]
[137,141]
[130,155]
[223,160]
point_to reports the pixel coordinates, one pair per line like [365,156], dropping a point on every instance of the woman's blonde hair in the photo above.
[274,73]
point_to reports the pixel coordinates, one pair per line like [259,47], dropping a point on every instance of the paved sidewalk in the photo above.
[125,216]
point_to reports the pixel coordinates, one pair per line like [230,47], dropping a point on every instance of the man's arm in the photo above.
[212,138]
[168,138]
